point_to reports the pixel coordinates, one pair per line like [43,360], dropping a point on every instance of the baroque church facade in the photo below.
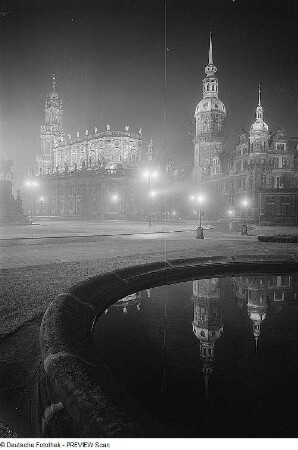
[90,175]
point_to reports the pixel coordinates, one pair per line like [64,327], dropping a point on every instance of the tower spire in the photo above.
[259,109]
[210,49]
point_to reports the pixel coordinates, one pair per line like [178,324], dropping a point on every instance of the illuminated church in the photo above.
[106,149]
[89,175]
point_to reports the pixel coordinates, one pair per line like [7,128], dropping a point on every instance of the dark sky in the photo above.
[109,60]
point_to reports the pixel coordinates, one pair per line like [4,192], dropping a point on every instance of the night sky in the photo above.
[109,57]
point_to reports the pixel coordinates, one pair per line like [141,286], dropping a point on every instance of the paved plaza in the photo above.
[40,261]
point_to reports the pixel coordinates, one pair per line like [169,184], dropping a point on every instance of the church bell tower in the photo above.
[51,132]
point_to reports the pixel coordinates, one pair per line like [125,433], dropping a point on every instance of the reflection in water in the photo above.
[258,292]
[153,352]
[207,323]
[129,301]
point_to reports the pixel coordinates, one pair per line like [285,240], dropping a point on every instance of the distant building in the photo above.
[98,173]
[262,169]
[89,175]
[108,149]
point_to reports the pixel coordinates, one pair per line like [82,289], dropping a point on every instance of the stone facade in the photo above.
[86,176]
[261,172]
[83,194]
[101,149]
[98,173]
[210,117]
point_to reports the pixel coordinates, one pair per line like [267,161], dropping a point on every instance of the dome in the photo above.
[210,104]
[259,125]
[257,316]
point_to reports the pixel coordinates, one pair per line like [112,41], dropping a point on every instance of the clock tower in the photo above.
[210,116]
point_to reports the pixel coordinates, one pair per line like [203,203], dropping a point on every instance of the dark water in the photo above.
[210,358]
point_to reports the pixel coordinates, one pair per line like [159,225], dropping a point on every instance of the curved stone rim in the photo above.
[75,371]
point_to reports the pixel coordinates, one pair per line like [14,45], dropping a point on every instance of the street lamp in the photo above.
[230,213]
[245,204]
[149,174]
[115,197]
[200,201]
[31,184]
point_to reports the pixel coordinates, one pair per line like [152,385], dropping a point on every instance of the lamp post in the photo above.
[31,184]
[200,200]
[41,205]
[230,212]
[115,199]
[150,174]
[245,204]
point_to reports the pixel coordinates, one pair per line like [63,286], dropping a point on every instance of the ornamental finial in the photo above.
[259,103]
[210,69]
[210,48]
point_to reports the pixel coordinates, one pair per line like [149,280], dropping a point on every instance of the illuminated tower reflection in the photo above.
[207,324]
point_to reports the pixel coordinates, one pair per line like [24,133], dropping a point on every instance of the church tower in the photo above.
[51,132]
[210,116]
[257,305]
[208,322]
[259,133]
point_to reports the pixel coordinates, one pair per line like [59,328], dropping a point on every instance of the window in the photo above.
[285,280]
[280,147]
[285,163]
[279,296]
[270,205]
[285,200]
[285,210]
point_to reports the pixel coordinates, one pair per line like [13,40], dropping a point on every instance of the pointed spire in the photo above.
[210,48]
[210,83]
[259,108]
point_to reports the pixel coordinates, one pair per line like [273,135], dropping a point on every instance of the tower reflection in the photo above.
[261,293]
[208,322]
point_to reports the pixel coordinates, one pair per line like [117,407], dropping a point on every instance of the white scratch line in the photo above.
[54,356]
